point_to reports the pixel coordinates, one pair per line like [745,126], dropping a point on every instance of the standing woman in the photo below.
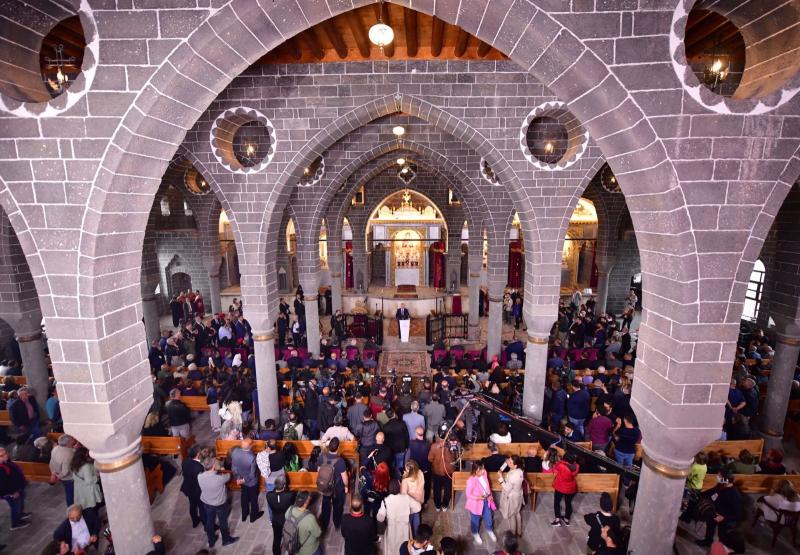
[511,497]
[565,486]
[480,502]
[414,486]
[87,484]
[396,510]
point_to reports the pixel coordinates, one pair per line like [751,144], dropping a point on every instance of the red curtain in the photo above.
[515,263]
[348,258]
[437,264]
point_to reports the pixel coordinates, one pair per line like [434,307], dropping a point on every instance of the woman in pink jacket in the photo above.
[480,503]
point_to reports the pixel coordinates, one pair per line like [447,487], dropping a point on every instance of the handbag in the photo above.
[381,527]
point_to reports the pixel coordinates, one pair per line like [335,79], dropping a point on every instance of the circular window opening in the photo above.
[737,57]
[715,51]
[243,140]
[43,50]
[608,180]
[195,182]
[552,138]
[547,139]
[313,172]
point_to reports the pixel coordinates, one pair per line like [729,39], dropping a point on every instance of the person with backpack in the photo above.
[279,501]
[605,517]
[332,483]
[358,529]
[293,430]
[301,532]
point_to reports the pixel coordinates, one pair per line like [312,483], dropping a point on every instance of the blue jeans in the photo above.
[217,513]
[399,462]
[414,519]
[577,423]
[17,507]
[625,459]
[475,520]
[69,492]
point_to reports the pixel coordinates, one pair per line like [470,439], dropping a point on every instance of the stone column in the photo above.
[474,305]
[494,335]
[336,288]
[658,505]
[604,267]
[215,302]
[535,376]
[127,502]
[266,379]
[453,265]
[787,349]
[152,320]
[34,367]
[312,321]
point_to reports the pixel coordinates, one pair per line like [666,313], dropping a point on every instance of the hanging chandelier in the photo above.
[380,34]
[59,82]
[714,75]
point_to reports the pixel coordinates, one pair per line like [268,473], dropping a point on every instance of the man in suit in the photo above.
[402,314]
[191,467]
[78,531]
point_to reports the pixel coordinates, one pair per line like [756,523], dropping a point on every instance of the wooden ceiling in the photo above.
[417,36]
[69,33]
[708,32]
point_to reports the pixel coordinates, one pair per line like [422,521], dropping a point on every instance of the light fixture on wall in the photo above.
[380,34]
[715,74]
[250,150]
[549,147]
[59,82]
[401,161]
[398,131]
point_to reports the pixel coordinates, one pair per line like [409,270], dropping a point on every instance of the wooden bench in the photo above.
[733,448]
[35,471]
[754,483]
[5,419]
[347,449]
[155,445]
[196,403]
[296,481]
[543,483]
[480,451]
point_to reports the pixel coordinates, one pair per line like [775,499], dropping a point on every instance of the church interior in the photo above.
[542,250]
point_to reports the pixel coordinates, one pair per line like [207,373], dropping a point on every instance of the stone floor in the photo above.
[170,514]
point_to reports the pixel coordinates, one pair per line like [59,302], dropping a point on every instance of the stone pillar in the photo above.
[152,321]
[312,321]
[535,376]
[453,265]
[658,505]
[494,334]
[215,302]
[266,379]
[474,331]
[604,267]
[336,288]
[127,502]
[787,349]
[34,367]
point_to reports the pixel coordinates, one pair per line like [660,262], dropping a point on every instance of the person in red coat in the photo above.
[565,486]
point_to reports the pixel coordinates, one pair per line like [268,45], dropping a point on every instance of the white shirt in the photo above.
[224,333]
[497,439]
[340,432]
[80,534]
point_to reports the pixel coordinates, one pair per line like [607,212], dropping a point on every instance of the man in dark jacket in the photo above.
[12,489]
[24,413]
[327,413]
[179,415]
[728,508]
[155,356]
[80,529]
[396,435]
[358,530]
[191,467]
[279,502]
[243,465]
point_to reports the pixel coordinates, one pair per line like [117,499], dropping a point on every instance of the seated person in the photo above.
[533,462]
[78,531]
[727,509]
[352,351]
[502,435]
[772,463]
[783,498]
[194,372]
[514,363]
[698,472]
[570,433]
[745,464]
[495,460]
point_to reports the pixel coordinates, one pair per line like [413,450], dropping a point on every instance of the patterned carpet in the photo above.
[417,327]
[414,363]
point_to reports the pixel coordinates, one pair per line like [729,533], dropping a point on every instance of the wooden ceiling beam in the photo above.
[483,49]
[437,37]
[715,43]
[461,42]
[382,14]
[294,49]
[714,24]
[313,43]
[410,20]
[362,40]
[335,37]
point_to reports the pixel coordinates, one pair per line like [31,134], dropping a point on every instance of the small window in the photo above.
[755,288]
[165,207]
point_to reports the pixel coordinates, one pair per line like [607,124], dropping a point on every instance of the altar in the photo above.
[406,276]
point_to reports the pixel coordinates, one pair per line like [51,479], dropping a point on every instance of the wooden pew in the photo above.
[733,448]
[196,403]
[35,471]
[754,483]
[543,483]
[587,483]
[297,481]
[479,451]
[155,445]
[5,418]
[347,449]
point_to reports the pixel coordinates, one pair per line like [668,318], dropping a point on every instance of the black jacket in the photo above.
[64,531]
[19,412]
[11,479]
[178,413]
[279,503]
[327,413]
[359,534]
[492,463]
[190,469]
[596,521]
[396,435]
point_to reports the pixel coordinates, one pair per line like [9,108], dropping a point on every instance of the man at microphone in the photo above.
[401,314]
